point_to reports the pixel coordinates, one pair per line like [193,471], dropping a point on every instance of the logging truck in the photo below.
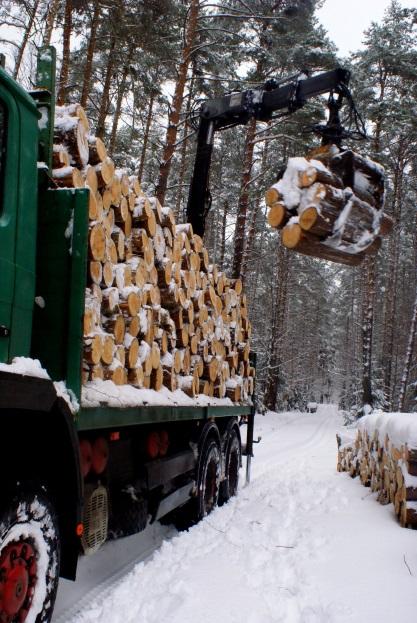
[99,288]
[124,354]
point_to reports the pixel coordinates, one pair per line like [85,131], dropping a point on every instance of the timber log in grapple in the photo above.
[330,205]
[99,285]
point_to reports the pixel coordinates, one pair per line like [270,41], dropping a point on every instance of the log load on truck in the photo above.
[124,354]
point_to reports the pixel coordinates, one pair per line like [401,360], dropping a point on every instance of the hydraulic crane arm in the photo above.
[237,108]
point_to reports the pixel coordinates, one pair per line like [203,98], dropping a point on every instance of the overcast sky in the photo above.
[345,20]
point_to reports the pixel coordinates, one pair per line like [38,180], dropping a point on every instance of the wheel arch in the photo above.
[209,430]
[41,447]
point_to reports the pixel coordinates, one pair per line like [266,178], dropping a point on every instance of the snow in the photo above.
[32,367]
[288,184]
[69,231]
[159,243]
[26,367]
[43,121]
[401,428]
[65,122]
[167,360]
[143,320]
[40,302]
[62,172]
[98,393]
[46,56]
[68,395]
[301,544]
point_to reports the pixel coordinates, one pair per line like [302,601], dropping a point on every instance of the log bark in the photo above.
[294,238]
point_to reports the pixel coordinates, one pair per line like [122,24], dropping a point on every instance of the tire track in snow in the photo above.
[326,425]
[106,569]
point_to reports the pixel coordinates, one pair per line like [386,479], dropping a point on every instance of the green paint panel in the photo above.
[105,417]
[25,235]
[18,218]
[61,280]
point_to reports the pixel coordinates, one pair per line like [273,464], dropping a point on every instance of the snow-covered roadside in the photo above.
[301,544]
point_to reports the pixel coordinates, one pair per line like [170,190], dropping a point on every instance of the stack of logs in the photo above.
[388,470]
[157,312]
[329,205]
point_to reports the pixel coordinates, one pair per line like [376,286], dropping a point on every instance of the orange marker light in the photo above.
[79,529]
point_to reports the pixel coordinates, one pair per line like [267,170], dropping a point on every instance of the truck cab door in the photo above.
[9,148]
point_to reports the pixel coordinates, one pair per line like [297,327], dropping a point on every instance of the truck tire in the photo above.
[209,480]
[208,486]
[230,484]
[29,559]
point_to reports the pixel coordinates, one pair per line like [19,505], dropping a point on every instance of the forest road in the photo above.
[301,544]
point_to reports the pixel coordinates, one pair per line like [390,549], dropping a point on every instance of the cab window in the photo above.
[2,151]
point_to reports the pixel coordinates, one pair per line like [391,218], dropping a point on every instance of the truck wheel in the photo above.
[208,485]
[29,559]
[230,484]
[209,480]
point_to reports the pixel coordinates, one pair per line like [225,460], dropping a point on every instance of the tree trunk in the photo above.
[146,135]
[184,146]
[66,49]
[223,233]
[408,357]
[239,241]
[252,228]
[278,302]
[391,288]
[25,40]
[368,294]
[174,116]
[88,69]
[105,97]
[120,96]
[50,20]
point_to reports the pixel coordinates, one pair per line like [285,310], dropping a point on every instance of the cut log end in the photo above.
[277,215]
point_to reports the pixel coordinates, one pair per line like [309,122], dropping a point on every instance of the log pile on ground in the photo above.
[384,456]
[330,205]
[157,312]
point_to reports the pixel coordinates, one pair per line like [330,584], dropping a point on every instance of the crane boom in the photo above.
[236,109]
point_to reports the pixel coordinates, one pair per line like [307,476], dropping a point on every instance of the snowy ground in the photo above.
[301,544]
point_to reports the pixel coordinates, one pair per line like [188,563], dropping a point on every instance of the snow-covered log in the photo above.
[329,205]
[384,456]
[158,313]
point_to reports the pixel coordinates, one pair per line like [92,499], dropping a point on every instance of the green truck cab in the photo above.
[52,506]
[18,216]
